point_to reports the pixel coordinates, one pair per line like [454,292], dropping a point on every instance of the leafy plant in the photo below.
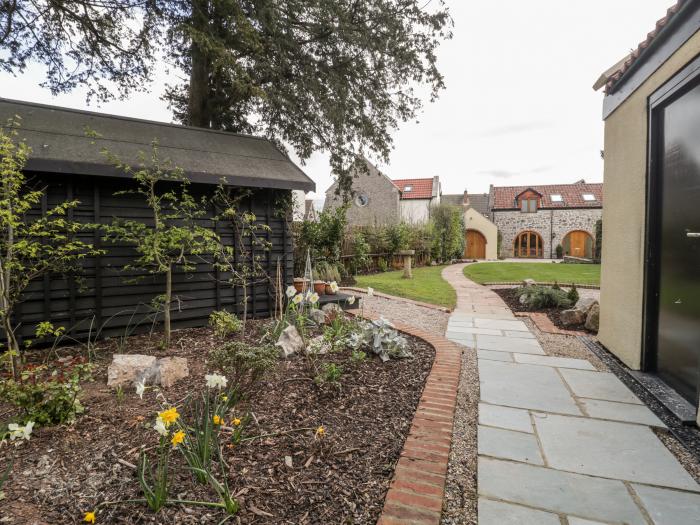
[598,249]
[381,338]
[154,485]
[243,365]
[357,356]
[560,251]
[572,295]
[224,323]
[361,251]
[543,297]
[397,236]
[447,223]
[326,272]
[382,265]
[29,248]
[329,373]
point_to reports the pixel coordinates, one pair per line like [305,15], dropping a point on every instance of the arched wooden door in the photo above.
[528,244]
[475,245]
[579,244]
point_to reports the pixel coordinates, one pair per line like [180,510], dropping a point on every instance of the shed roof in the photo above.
[60,145]
[419,188]
[504,197]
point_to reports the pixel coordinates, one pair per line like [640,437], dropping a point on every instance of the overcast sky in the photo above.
[518,108]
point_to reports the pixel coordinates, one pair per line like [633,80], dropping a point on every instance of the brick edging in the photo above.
[417,489]
[397,298]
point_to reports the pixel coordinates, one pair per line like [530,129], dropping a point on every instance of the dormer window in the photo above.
[588,197]
[557,198]
[528,205]
[408,189]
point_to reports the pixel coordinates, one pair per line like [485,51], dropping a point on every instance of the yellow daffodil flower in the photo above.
[89,517]
[168,417]
[217,420]
[320,431]
[236,422]
[178,437]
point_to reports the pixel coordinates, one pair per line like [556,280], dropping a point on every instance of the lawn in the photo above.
[502,272]
[427,285]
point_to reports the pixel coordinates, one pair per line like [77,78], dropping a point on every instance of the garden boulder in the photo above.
[332,308]
[125,369]
[572,317]
[317,316]
[585,303]
[593,318]
[290,342]
[168,370]
[529,282]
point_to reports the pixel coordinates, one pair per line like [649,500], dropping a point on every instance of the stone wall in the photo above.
[382,200]
[545,222]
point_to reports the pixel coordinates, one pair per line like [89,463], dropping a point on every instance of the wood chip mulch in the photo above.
[288,476]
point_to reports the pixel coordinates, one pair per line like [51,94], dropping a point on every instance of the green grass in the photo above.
[427,285]
[502,272]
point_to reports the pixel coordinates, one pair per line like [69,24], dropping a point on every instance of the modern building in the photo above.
[68,165]
[533,220]
[650,282]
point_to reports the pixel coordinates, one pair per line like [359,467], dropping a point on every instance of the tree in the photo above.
[174,239]
[319,75]
[30,247]
[448,232]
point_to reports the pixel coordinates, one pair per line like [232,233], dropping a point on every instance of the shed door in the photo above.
[475,247]
[678,335]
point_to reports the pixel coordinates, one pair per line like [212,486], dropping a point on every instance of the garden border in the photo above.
[562,284]
[397,298]
[417,488]
[543,324]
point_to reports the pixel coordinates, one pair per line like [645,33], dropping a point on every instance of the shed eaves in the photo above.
[59,144]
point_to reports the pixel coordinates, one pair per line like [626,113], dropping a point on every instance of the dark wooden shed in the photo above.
[69,165]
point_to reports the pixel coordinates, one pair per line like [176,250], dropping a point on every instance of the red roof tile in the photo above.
[419,188]
[504,197]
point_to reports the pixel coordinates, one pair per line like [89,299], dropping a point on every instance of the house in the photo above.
[480,234]
[533,220]
[69,165]
[416,198]
[310,213]
[650,314]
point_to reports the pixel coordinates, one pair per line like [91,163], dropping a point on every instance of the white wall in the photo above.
[415,211]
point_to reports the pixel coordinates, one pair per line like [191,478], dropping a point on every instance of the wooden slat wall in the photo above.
[114,306]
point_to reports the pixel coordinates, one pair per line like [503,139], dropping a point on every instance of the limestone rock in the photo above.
[290,342]
[593,319]
[317,316]
[572,317]
[127,368]
[169,370]
[332,308]
[585,303]
[529,282]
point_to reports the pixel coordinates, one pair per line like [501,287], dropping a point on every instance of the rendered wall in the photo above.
[473,220]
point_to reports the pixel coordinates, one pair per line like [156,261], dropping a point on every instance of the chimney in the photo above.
[436,187]
[465,200]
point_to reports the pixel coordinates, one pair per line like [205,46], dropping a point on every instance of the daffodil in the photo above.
[370,291]
[334,286]
[178,437]
[140,389]
[216,381]
[351,300]
[169,416]
[291,292]
[236,422]
[217,420]
[224,398]
[313,298]
[298,298]
[320,431]
[18,432]
[160,427]
[89,517]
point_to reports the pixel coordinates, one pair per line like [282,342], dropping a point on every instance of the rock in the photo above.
[529,282]
[169,370]
[584,304]
[317,316]
[332,308]
[318,346]
[572,317]
[523,299]
[593,319]
[127,368]
[290,342]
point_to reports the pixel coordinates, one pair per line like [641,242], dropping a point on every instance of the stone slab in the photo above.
[494,356]
[500,513]
[579,521]
[509,344]
[472,331]
[558,362]
[508,444]
[505,417]
[524,386]
[593,498]
[515,333]
[598,385]
[463,339]
[501,324]
[670,507]
[609,449]
[627,412]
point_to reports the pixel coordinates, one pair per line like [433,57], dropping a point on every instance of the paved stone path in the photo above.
[560,443]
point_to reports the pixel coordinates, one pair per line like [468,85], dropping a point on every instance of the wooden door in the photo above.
[578,243]
[475,245]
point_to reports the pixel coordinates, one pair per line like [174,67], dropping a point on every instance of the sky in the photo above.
[518,108]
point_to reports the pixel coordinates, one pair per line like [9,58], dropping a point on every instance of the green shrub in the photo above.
[573,294]
[382,265]
[224,323]
[244,365]
[326,272]
[447,224]
[47,395]
[598,250]
[560,251]
[544,297]
[330,373]
[556,286]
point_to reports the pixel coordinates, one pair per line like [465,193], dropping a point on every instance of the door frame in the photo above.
[537,252]
[588,236]
[677,86]
[466,232]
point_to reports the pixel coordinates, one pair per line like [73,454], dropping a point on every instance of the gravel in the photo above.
[422,317]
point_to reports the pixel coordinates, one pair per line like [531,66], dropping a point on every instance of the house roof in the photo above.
[613,74]
[419,188]
[504,197]
[478,201]
[60,145]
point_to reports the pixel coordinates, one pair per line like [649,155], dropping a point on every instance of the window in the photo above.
[588,197]
[556,198]
[408,188]
[528,205]
[362,200]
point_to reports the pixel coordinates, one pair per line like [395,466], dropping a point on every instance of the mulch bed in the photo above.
[511,299]
[67,470]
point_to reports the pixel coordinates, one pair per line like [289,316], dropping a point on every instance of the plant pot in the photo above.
[328,289]
[299,284]
[320,287]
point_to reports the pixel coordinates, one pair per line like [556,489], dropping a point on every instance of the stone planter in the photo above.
[299,284]
[320,287]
